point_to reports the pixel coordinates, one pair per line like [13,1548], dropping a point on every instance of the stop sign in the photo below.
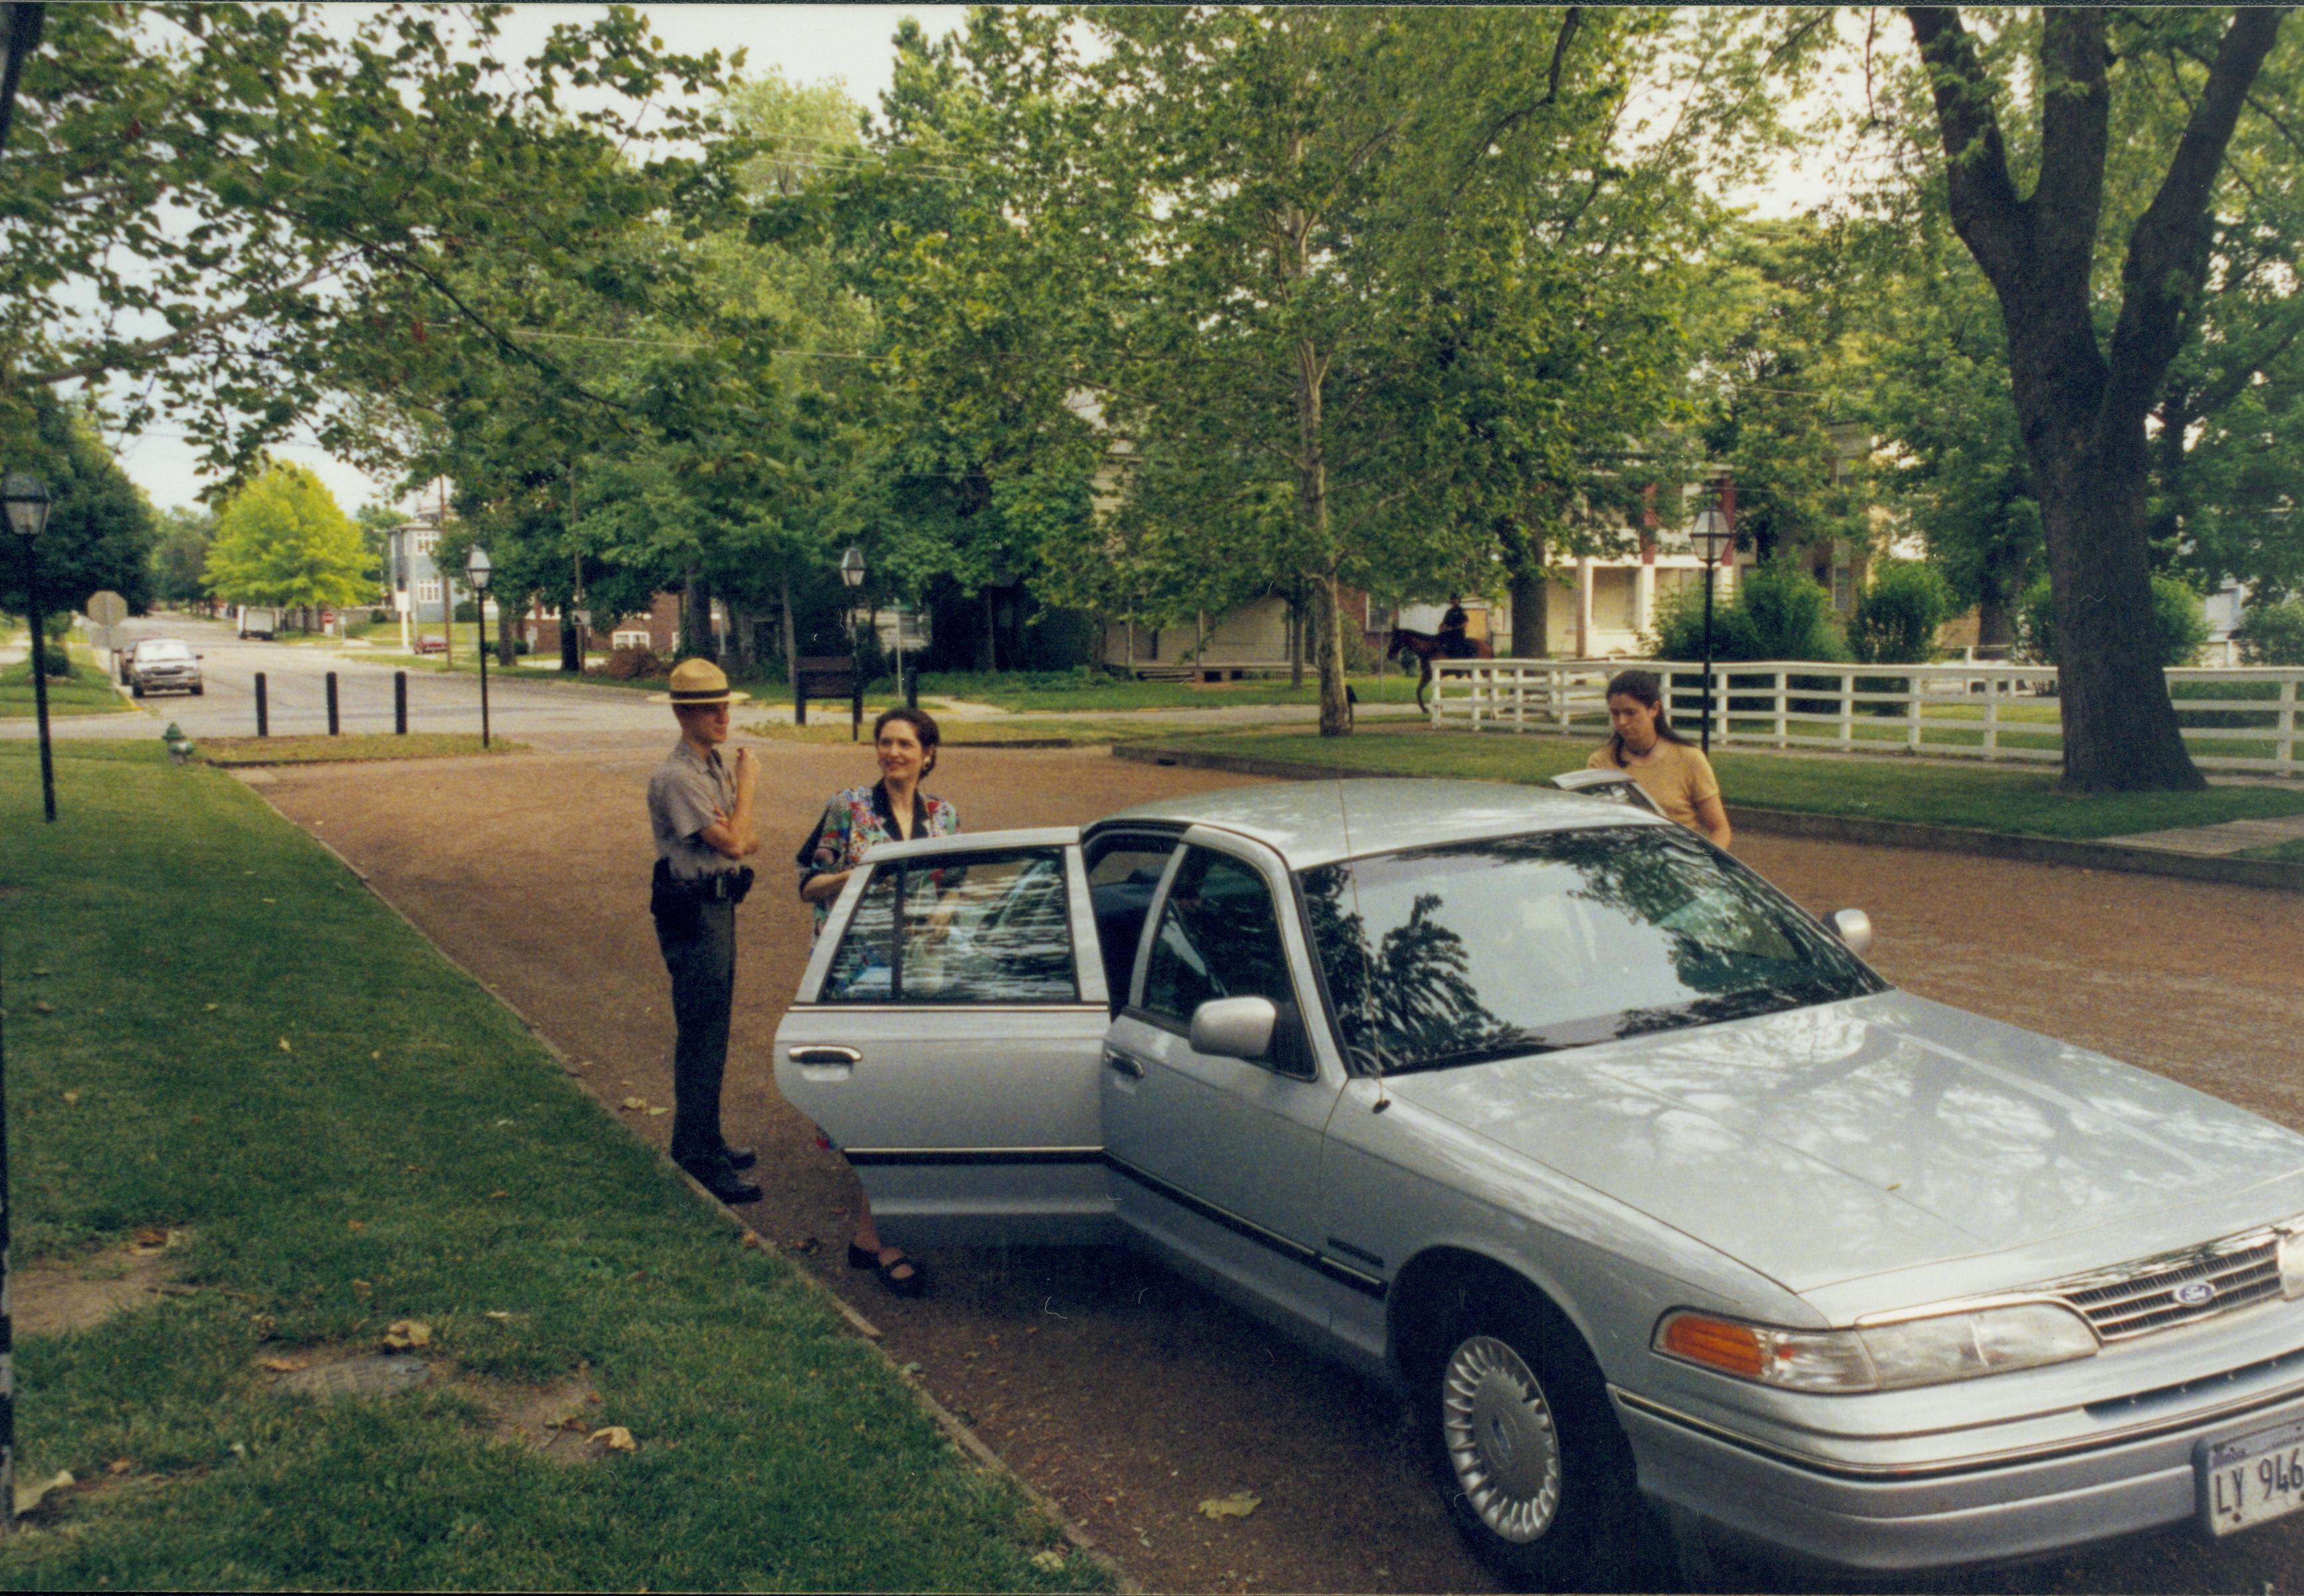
[107,608]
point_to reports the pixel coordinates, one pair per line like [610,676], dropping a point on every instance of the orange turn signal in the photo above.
[1715,1343]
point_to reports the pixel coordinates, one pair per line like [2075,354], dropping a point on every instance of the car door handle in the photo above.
[824,1054]
[1121,1063]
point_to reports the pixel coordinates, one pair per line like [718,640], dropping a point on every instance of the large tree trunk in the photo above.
[2081,406]
[1529,590]
[696,616]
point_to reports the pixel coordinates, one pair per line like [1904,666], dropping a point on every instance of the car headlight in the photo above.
[2292,1260]
[1936,1350]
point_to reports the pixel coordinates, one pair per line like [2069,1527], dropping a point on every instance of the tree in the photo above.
[101,528]
[2081,397]
[281,540]
[1897,613]
[179,559]
[1408,274]
[240,213]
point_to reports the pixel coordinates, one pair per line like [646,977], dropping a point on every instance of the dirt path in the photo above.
[1125,1394]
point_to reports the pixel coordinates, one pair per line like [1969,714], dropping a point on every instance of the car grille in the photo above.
[2177,1288]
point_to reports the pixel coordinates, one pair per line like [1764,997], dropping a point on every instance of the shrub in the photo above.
[1059,639]
[625,664]
[2178,615]
[2272,633]
[1778,612]
[1898,613]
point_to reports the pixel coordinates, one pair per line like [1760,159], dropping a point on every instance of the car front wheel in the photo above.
[1536,1471]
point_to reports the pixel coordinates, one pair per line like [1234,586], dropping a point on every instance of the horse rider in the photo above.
[1455,642]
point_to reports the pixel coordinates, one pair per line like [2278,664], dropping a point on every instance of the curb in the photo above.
[955,1431]
[2270,874]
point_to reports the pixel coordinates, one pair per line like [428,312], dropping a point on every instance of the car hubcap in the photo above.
[1501,1439]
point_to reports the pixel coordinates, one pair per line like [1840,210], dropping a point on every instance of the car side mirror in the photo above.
[1234,1028]
[1853,927]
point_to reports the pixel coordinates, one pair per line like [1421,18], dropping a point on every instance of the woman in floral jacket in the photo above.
[892,809]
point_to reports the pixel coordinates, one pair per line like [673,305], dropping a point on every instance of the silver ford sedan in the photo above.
[1642,1185]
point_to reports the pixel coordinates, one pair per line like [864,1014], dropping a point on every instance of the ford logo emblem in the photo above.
[2193,1293]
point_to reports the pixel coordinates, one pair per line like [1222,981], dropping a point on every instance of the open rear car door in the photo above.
[948,1035]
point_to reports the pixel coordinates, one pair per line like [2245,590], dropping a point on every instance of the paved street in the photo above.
[1124,1392]
[296,683]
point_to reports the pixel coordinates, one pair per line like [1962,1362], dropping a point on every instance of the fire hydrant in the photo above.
[180,747]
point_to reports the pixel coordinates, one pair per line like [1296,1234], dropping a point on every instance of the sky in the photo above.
[809,44]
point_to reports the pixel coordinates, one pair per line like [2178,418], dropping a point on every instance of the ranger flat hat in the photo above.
[698,683]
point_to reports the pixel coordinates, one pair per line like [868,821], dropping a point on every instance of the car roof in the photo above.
[164,642]
[1310,823]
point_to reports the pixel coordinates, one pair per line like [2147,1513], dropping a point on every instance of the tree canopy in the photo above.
[282,540]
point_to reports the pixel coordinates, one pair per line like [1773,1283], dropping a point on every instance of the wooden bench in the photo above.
[827,676]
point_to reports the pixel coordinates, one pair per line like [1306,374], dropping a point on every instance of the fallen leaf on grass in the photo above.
[355,1223]
[120,1465]
[281,1366]
[361,1288]
[39,970]
[494,1196]
[71,1097]
[285,1047]
[405,1335]
[1048,1562]
[500,1316]
[41,1006]
[1239,1504]
[615,1437]
[654,1112]
[210,1008]
[29,1497]
[151,1235]
[635,1102]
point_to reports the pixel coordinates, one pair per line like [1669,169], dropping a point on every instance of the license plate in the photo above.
[2252,1478]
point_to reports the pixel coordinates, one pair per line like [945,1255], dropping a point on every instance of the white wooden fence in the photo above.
[2241,720]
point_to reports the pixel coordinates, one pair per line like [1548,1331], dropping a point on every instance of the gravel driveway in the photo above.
[1125,1394]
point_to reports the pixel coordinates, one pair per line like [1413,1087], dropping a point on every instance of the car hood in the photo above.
[1826,1144]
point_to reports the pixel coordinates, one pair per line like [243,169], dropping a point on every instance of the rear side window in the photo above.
[980,927]
[1123,872]
[1219,937]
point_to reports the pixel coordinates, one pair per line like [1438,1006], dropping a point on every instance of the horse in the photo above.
[1426,647]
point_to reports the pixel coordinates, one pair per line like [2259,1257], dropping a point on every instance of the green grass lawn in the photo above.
[1087,690]
[1989,800]
[963,734]
[356,746]
[2281,852]
[211,1028]
[88,692]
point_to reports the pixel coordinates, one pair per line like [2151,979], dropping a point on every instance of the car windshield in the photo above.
[1442,957]
[148,652]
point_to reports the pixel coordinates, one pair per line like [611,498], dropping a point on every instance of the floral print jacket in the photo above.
[857,820]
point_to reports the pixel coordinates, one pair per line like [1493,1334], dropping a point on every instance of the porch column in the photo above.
[1584,609]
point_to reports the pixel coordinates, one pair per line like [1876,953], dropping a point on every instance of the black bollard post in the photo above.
[263,708]
[399,703]
[913,687]
[332,704]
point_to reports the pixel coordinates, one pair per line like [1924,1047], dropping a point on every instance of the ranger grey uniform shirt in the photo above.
[686,794]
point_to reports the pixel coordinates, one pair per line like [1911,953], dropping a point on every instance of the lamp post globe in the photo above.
[25,498]
[851,567]
[477,571]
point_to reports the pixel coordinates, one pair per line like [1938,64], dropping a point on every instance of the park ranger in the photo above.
[700,810]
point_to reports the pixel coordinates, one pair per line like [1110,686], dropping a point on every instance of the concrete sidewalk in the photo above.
[2231,837]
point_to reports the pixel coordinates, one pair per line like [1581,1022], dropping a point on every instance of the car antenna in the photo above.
[1368,967]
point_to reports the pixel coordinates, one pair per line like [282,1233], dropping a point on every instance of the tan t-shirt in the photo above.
[1676,775]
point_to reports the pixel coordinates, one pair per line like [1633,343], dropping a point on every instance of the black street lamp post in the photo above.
[1713,538]
[25,498]
[851,577]
[476,573]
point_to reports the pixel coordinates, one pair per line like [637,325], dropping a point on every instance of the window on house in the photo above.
[1844,587]
[425,542]
[428,592]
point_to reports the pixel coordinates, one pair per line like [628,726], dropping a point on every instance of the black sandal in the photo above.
[903,1286]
